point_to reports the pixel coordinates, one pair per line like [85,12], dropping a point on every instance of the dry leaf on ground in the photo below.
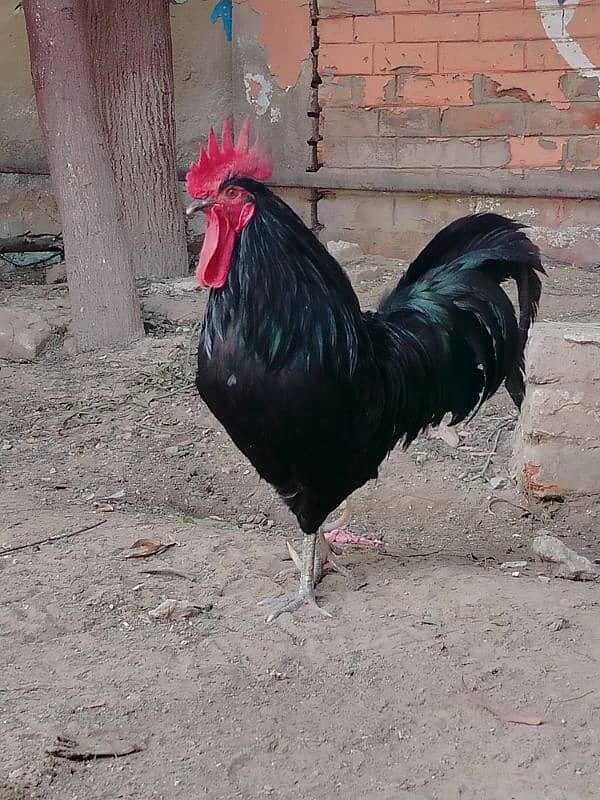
[142,548]
[177,609]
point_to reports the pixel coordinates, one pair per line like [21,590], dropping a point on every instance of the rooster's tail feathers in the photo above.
[450,302]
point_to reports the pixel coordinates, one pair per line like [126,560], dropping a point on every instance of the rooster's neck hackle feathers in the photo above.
[217,163]
[286,297]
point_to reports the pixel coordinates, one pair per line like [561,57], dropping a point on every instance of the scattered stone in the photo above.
[23,334]
[570,564]
[513,565]
[342,249]
[559,624]
[171,609]
[444,432]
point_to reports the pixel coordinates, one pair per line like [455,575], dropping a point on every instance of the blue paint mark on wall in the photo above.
[223,11]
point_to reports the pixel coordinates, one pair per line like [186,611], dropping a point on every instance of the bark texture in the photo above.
[133,67]
[105,308]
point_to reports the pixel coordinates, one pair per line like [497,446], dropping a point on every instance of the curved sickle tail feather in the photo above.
[529,288]
[457,336]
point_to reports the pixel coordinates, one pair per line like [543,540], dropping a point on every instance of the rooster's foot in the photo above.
[306,592]
[305,597]
[336,532]
[339,536]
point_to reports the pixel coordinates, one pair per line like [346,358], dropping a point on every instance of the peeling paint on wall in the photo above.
[285,34]
[259,91]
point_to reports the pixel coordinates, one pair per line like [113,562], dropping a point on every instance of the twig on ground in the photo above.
[497,433]
[50,539]
[172,392]
[168,572]
[577,697]
[525,510]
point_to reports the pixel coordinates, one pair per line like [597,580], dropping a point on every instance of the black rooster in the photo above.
[311,389]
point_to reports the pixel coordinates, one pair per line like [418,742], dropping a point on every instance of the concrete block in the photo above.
[563,410]
[23,334]
[559,352]
[557,446]
[551,469]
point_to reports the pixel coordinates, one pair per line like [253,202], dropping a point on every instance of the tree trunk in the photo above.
[133,65]
[105,308]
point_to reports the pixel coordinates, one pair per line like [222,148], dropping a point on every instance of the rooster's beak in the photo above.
[198,205]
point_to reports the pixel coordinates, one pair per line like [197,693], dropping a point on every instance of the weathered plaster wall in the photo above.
[203,85]
[20,140]
[271,79]
[203,74]
[27,204]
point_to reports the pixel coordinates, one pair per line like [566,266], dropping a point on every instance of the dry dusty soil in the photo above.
[405,693]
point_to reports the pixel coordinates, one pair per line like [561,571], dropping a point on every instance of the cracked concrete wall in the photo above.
[399,224]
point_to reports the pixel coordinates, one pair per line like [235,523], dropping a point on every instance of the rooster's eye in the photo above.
[231,192]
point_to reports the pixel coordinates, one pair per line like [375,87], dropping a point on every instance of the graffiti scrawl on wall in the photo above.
[556,24]
[223,11]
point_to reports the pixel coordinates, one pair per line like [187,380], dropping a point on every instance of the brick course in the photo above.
[468,70]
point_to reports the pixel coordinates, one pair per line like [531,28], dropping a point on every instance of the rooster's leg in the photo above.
[306,592]
[325,561]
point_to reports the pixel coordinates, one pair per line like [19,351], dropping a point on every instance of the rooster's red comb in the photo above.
[218,163]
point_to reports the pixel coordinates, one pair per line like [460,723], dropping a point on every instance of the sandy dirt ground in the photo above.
[403,694]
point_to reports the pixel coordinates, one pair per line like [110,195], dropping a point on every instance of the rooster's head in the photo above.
[211,182]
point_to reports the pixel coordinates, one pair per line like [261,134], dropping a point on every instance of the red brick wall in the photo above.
[462,92]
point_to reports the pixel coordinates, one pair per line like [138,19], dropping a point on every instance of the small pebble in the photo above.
[559,624]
